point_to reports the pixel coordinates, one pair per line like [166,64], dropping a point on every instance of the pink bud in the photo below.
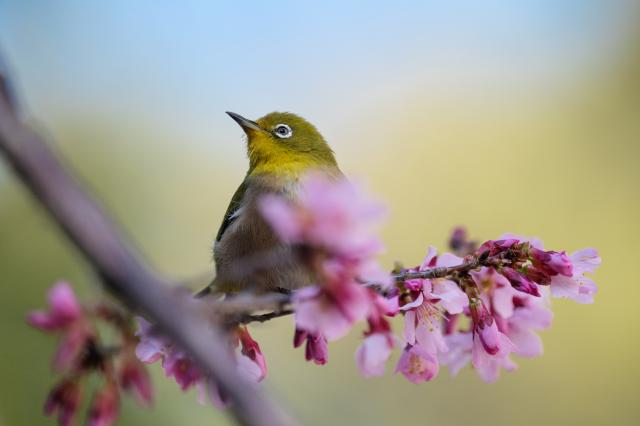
[63,309]
[520,282]
[458,239]
[316,349]
[251,350]
[497,246]
[299,337]
[485,327]
[65,399]
[135,378]
[105,407]
[558,263]
[71,347]
[538,276]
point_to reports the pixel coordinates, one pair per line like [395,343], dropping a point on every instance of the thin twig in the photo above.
[265,317]
[239,309]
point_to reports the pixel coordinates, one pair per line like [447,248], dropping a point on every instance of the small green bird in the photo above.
[282,148]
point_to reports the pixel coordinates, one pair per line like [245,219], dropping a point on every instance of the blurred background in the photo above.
[502,116]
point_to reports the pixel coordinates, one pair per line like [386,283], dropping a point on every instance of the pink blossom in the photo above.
[375,350]
[335,216]
[422,326]
[466,346]
[373,354]
[316,349]
[105,407]
[64,399]
[486,332]
[181,367]
[433,260]
[417,365]
[250,352]
[330,312]
[63,309]
[496,290]
[64,315]
[585,261]
[423,316]
[452,299]
[151,347]
[459,354]
[578,287]
[447,292]
[490,342]
[488,366]
[71,346]
[491,347]
[286,221]
[531,314]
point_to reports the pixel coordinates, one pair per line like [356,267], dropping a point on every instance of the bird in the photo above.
[282,148]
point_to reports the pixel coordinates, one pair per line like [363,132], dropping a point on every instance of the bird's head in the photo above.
[284,144]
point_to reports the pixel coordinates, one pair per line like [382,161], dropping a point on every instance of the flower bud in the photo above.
[65,399]
[520,282]
[485,328]
[496,246]
[558,262]
[251,349]
[135,378]
[64,309]
[538,276]
[105,406]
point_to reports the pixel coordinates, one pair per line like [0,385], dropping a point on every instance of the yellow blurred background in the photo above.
[502,116]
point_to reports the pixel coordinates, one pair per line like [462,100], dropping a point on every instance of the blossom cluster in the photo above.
[82,352]
[486,313]
[480,304]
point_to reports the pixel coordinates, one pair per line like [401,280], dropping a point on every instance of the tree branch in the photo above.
[239,309]
[121,268]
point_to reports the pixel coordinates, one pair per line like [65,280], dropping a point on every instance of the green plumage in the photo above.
[234,205]
[282,148]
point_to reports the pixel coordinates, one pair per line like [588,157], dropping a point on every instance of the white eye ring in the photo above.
[282,131]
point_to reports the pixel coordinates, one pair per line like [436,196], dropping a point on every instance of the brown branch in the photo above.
[121,268]
[239,309]
[267,316]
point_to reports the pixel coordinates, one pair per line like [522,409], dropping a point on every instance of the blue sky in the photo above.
[186,62]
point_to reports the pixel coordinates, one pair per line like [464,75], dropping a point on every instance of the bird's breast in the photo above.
[249,254]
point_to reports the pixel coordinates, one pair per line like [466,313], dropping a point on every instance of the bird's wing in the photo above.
[232,210]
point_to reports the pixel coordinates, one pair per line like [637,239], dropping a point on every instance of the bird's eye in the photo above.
[282,131]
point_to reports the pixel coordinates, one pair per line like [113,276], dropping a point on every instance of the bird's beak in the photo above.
[243,122]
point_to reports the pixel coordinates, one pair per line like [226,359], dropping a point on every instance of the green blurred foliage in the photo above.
[559,164]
